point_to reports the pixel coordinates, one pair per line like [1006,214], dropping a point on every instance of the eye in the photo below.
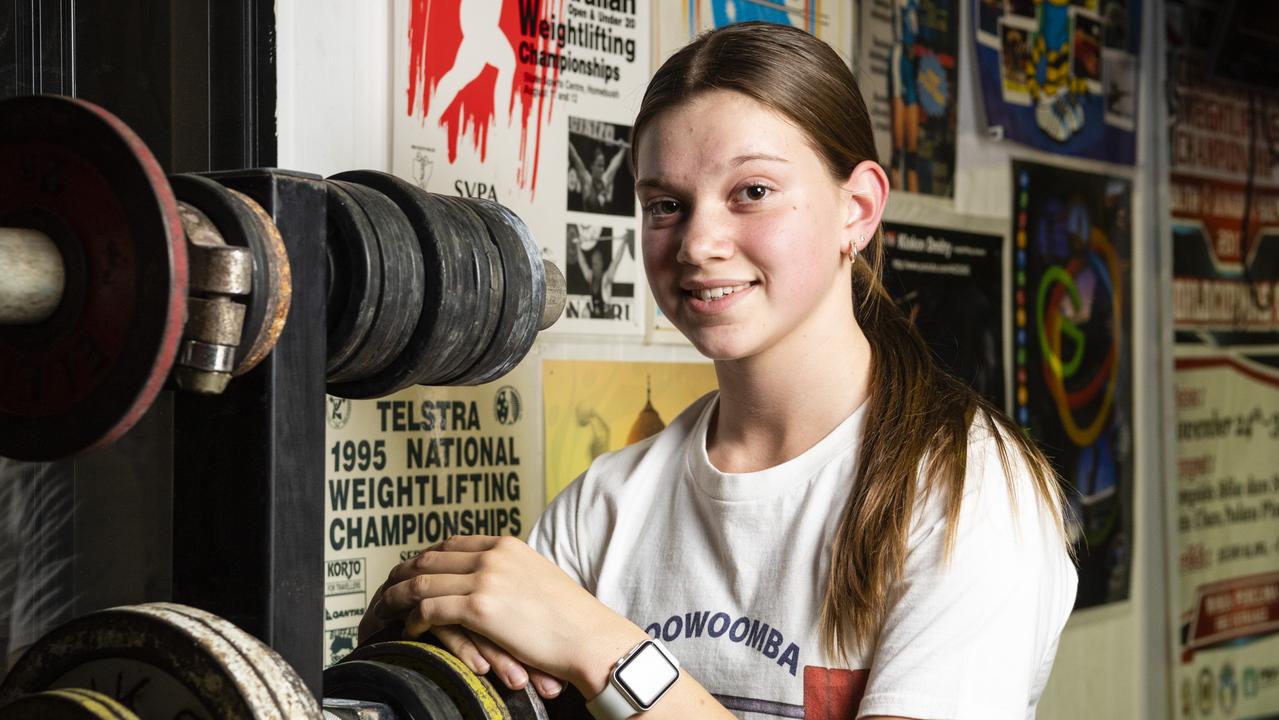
[753,193]
[662,207]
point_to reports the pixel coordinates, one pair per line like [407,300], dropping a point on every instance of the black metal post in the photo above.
[248,465]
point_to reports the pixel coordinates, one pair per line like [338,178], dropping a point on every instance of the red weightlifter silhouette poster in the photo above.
[529,103]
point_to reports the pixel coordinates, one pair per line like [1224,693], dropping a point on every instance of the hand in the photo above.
[515,600]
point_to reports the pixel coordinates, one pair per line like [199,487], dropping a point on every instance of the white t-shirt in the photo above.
[729,571]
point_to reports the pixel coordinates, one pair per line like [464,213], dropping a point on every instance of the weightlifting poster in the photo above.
[595,407]
[408,470]
[1071,301]
[1061,75]
[528,103]
[908,63]
[951,284]
[1226,513]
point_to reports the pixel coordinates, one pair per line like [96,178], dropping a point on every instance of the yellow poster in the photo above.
[406,471]
[594,407]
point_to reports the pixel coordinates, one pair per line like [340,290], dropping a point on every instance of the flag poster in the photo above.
[1072,236]
[1061,75]
[529,103]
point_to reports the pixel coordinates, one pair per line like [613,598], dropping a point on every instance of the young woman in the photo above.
[842,530]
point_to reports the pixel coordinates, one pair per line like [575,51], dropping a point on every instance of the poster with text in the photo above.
[908,62]
[1061,75]
[1224,286]
[529,103]
[596,407]
[1072,236]
[409,470]
[950,282]
[830,20]
[1226,512]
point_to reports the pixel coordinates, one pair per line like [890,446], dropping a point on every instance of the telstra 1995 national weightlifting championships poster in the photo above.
[1072,240]
[408,470]
[1061,75]
[529,103]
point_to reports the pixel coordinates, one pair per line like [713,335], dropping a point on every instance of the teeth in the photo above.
[718,292]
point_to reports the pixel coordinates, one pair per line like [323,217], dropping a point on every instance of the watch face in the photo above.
[646,675]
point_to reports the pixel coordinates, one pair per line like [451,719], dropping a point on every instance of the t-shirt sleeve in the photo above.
[555,534]
[974,637]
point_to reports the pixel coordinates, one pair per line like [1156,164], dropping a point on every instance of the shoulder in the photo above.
[619,472]
[581,518]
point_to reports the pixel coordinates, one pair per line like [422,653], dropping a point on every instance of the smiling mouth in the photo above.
[717,293]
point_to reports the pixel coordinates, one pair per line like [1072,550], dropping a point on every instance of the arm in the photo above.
[614,165]
[501,589]
[575,161]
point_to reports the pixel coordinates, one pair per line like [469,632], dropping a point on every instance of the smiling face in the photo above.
[743,227]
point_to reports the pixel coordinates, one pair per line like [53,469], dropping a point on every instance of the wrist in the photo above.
[592,667]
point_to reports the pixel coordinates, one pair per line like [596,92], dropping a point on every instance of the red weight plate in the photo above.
[82,378]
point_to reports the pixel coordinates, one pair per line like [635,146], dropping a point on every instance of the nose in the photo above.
[704,238]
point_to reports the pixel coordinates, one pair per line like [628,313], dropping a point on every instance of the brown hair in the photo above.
[918,417]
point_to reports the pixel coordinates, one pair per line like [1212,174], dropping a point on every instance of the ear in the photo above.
[865,194]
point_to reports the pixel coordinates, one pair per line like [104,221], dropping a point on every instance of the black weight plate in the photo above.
[401,301]
[240,227]
[411,695]
[524,297]
[66,704]
[437,336]
[522,704]
[475,697]
[82,378]
[355,276]
[485,265]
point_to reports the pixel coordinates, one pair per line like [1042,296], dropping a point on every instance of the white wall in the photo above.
[335,79]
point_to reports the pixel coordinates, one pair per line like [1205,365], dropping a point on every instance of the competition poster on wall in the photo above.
[908,61]
[950,283]
[409,470]
[1072,248]
[595,407]
[529,103]
[1226,511]
[1224,286]
[1061,75]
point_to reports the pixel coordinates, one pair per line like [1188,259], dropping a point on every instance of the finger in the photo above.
[430,612]
[461,643]
[434,561]
[469,543]
[547,686]
[400,597]
[511,671]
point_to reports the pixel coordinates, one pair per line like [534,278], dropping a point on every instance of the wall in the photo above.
[334,114]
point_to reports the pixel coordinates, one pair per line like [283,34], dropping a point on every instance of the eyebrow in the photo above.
[735,162]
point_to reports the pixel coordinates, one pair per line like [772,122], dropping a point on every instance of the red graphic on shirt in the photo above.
[833,694]
[465,68]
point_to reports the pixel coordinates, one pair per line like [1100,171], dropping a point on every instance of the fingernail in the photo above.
[516,677]
[551,688]
[481,666]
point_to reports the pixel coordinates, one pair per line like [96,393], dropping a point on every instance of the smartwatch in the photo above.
[636,683]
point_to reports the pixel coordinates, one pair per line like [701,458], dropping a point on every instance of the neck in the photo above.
[780,402]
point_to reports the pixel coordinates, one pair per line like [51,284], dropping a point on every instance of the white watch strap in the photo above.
[610,704]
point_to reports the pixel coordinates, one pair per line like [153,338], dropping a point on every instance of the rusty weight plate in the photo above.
[157,662]
[83,377]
